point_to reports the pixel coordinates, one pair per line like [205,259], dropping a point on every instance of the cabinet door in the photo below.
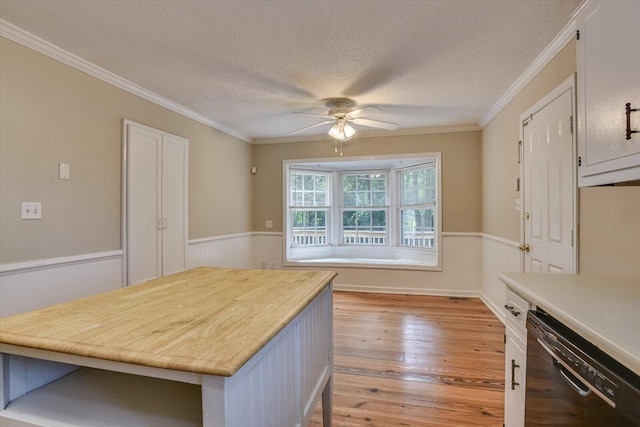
[608,78]
[515,376]
[175,158]
[143,204]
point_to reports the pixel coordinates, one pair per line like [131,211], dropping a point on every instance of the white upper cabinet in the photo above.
[608,79]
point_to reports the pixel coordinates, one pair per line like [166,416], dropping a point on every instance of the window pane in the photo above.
[363,199]
[308,182]
[309,189]
[363,183]
[418,186]
[309,227]
[364,227]
[364,190]
[349,199]
[379,182]
[379,198]
[417,228]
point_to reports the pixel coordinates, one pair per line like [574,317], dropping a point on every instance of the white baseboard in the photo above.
[405,291]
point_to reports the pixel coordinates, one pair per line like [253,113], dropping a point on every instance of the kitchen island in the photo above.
[207,347]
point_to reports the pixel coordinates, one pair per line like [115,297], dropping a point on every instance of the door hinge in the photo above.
[505,338]
[571,124]
[572,235]
[579,161]
[577,34]
[519,152]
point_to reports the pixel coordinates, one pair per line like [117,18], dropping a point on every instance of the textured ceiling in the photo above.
[250,64]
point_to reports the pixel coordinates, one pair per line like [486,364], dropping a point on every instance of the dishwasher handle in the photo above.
[571,380]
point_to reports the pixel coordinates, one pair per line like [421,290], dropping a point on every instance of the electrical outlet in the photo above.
[274,265]
[31,210]
[269,223]
[263,265]
[517,205]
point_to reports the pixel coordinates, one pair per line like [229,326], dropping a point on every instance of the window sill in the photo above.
[388,264]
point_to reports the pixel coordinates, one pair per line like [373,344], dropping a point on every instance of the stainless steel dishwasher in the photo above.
[570,382]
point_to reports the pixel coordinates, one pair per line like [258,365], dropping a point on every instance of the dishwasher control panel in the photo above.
[579,368]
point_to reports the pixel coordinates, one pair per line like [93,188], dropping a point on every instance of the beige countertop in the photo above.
[603,309]
[205,320]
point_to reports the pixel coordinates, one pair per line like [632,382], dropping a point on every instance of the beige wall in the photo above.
[51,113]
[610,230]
[500,147]
[460,172]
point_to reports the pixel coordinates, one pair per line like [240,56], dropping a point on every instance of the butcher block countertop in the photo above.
[206,320]
[604,310]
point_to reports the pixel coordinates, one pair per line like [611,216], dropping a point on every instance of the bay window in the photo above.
[379,212]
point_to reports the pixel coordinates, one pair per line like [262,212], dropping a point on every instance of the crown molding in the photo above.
[31,41]
[564,36]
[372,134]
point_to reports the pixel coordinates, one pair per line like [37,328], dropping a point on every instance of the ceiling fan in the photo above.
[341,116]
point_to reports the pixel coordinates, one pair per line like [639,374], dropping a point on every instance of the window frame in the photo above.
[391,255]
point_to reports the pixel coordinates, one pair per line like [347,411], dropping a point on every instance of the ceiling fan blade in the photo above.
[324,116]
[375,124]
[312,126]
[357,112]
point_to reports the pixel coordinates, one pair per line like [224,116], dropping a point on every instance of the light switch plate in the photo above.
[517,205]
[64,170]
[269,223]
[31,210]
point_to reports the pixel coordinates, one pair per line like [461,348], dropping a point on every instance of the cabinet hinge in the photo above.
[577,34]
[579,161]
[505,338]
[571,124]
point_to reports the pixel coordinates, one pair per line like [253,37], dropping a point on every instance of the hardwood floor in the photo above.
[415,361]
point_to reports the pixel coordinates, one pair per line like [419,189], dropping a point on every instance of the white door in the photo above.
[156,183]
[144,196]
[175,158]
[549,189]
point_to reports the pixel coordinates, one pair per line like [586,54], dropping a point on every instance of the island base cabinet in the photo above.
[278,387]
[100,398]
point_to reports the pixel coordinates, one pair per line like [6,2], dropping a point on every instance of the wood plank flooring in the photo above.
[405,360]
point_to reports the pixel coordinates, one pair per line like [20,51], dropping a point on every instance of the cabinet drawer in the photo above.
[516,310]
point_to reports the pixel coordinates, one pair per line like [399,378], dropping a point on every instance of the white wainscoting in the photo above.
[471,265]
[31,285]
[498,256]
[232,251]
[459,277]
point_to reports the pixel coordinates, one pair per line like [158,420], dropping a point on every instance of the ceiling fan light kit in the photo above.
[341,115]
[342,131]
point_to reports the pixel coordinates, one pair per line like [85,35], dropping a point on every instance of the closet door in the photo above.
[156,184]
[144,194]
[175,160]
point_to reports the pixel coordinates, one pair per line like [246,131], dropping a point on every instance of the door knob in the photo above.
[524,247]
